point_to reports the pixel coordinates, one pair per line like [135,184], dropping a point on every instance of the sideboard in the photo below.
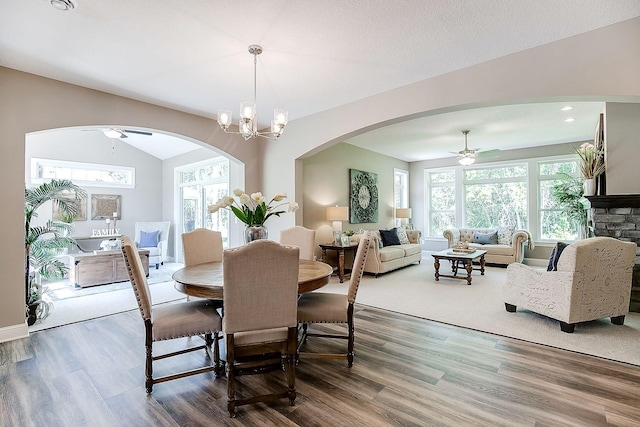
[101,267]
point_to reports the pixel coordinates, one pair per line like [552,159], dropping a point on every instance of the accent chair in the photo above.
[592,281]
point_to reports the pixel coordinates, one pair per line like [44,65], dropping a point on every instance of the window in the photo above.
[442,201]
[83,174]
[500,195]
[400,188]
[201,185]
[552,223]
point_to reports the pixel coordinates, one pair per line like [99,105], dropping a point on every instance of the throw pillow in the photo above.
[378,237]
[389,237]
[555,256]
[402,235]
[149,240]
[505,235]
[486,238]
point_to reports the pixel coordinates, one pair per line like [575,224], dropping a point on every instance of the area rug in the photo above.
[413,290]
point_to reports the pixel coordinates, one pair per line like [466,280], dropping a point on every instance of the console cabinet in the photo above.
[101,267]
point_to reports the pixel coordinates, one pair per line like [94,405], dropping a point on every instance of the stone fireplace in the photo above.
[618,216]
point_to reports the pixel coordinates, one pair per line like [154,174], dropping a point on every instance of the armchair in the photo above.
[157,252]
[593,281]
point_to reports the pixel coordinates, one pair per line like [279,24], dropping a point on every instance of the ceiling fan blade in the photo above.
[138,132]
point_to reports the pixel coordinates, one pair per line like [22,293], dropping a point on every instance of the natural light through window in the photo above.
[83,174]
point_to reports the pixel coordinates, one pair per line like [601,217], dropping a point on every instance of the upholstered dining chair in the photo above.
[259,323]
[201,245]
[302,237]
[319,307]
[170,321]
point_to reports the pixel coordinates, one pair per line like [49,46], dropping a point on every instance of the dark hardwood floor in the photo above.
[407,371]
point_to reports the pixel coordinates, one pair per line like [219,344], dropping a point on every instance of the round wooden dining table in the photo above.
[206,280]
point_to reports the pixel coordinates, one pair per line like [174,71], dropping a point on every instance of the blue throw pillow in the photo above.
[149,240]
[486,238]
[389,237]
[555,256]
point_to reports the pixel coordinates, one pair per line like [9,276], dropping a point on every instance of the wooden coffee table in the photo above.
[458,260]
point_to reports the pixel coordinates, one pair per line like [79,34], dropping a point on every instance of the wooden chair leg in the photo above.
[148,369]
[351,338]
[231,387]
[292,345]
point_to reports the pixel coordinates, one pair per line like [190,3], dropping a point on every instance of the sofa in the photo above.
[382,259]
[506,249]
[592,280]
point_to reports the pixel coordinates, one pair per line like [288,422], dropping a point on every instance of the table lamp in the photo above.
[337,214]
[403,214]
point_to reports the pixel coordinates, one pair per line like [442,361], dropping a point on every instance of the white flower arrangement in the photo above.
[253,209]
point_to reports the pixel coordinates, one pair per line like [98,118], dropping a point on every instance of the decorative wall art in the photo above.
[363,196]
[599,144]
[70,198]
[103,206]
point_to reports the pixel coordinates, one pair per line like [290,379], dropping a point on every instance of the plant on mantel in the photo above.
[43,243]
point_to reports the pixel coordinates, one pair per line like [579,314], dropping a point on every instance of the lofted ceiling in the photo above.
[318,54]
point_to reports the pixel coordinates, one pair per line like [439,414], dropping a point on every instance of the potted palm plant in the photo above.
[43,243]
[568,194]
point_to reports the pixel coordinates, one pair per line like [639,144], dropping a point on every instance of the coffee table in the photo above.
[459,260]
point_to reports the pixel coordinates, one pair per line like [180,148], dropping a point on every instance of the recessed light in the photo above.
[567,108]
[570,119]
[62,4]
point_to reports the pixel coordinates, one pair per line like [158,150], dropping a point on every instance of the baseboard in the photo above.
[14,332]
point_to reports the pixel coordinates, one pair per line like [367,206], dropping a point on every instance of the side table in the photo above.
[340,250]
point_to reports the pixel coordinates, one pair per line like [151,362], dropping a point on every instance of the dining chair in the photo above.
[319,307]
[302,237]
[259,323]
[201,245]
[171,321]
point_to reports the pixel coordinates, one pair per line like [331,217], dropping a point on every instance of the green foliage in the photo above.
[568,196]
[43,243]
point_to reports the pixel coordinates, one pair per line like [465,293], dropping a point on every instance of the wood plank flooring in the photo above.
[407,371]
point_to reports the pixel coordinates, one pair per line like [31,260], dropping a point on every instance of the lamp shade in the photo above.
[403,212]
[337,213]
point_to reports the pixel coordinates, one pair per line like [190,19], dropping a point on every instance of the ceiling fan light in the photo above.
[112,133]
[466,160]
[62,4]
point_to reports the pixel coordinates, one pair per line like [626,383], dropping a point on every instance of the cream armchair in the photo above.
[157,252]
[593,281]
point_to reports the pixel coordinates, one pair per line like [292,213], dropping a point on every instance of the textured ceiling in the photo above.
[191,55]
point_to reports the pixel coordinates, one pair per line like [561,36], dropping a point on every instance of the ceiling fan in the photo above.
[468,156]
[116,133]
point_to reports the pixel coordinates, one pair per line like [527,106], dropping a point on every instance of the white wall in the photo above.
[599,65]
[142,203]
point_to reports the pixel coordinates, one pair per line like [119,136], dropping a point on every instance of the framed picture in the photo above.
[345,240]
[363,196]
[70,198]
[103,206]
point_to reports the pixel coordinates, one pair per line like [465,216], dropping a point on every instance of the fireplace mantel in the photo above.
[615,201]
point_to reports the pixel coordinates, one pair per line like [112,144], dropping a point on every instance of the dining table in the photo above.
[206,280]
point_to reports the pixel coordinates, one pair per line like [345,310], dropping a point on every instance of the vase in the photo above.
[589,186]
[255,232]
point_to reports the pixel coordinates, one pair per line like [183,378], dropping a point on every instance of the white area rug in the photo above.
[414,291]
[78,309]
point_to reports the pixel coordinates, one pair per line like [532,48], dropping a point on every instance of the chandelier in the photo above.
[248,124]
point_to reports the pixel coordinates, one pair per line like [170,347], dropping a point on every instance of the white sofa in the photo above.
[388,258]
[593,281]
[500,253]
